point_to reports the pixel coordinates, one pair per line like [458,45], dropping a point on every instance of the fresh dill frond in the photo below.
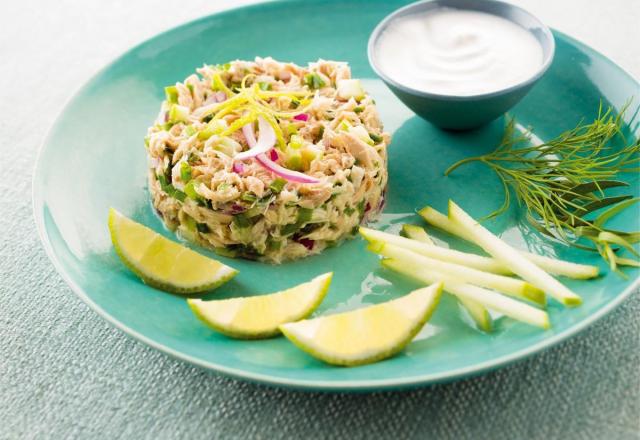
[562,181]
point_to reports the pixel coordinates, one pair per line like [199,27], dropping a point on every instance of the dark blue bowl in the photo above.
[454,112]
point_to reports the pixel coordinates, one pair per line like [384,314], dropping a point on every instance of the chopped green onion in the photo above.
[203,227]
[193,158]
[190,191]
[314,81]
[170,189]
[304,215]
[190,223]
[348,211]
[289,229]
[171,92]
[277,185]
[185,172]
[224,252]
[274,245]
[241,221]
[264,86]
[295,103]
[358,109]
[375,138]
[248,197]
[146,141]
[190,87]
[361,208]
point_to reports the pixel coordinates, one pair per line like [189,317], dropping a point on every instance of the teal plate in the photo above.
[94,158]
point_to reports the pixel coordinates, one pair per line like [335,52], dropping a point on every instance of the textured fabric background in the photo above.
[65,373]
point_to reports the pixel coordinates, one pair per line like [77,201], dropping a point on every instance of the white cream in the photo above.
[457,52]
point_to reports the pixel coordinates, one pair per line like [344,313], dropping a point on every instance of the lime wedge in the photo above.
[365,335]
[160,262]
[258,317]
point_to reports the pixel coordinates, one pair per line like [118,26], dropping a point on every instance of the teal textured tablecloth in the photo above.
[65,373]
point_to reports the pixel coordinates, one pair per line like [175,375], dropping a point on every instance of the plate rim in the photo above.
[38,202]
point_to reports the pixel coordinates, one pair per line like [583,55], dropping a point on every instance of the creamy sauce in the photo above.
[457,52]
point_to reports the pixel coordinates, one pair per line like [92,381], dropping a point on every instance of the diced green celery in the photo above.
[178,113]
[146,141]
[277,185]
[214,127]
[344,125]
[264,86]
[361,133]
[350,88]
[218,85]
[294,160]
[185,172]
[171,93]
[292,129]
[296,141]
[189,130]
[228,146]
[314,81]
[309,154]
[358,109]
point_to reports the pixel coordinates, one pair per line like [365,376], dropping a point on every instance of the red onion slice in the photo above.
[266,140]
[290,175]
[301,117]
[238,167]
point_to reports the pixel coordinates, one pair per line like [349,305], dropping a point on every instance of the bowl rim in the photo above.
[384,23]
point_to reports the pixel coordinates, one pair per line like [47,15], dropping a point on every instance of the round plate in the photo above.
[94,158]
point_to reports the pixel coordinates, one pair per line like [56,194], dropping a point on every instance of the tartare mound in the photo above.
[323,174]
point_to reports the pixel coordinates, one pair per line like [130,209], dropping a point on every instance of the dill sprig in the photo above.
[562,181]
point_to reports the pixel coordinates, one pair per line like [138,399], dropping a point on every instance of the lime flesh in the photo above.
[258,317]
[162,263]
[365,335]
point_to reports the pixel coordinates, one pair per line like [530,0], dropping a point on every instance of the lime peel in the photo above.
[162,263]
[257,317]
[368,334]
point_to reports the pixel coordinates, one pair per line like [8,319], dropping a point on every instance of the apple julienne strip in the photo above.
[511,257]
[479,262]
[492,300]
[510,286]
[552,265]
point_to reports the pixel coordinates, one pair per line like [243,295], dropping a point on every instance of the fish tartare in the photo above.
[267,160]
